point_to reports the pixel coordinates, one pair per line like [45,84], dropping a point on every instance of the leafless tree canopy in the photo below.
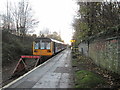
[19,18]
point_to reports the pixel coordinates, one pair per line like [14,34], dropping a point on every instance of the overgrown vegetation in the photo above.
[87,79]
[96,20]
[83,77]
[96,17]
[89,75]
[13,46]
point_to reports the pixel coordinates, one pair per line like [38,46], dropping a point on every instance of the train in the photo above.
[43,48]
[47,47]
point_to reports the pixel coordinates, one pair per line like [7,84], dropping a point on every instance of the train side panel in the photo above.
[58,47]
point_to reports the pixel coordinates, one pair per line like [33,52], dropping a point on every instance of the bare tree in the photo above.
[24,17]
[26,20]
[44,32]
[19,18]
[6,18]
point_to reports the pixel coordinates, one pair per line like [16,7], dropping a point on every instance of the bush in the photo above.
[13,46]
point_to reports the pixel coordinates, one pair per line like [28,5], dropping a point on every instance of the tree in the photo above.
[6,18]
[45,32]
[55,36]
[34,35]
[19,17]
[24,19]
[95,17]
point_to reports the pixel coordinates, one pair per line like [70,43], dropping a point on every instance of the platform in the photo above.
[55,73]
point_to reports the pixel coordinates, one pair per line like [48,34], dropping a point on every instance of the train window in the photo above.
[42,45]
[47,45]
[36,45]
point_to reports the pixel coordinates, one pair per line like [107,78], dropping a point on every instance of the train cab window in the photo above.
[36,45]
[47,45]
[42,45]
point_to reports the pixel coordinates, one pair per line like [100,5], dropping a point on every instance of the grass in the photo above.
[74,63]
[83,77]
[87,79]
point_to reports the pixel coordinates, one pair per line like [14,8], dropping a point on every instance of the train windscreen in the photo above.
[44,45]
[36,45]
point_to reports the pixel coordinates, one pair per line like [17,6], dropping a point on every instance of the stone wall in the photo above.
[104,52]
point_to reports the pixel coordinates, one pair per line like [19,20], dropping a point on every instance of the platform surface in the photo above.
[55,73]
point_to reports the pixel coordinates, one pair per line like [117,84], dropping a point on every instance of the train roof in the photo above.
[48,40]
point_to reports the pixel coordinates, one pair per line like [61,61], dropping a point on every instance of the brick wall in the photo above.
[104,52]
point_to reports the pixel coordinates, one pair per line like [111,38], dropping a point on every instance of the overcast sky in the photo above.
[56,15]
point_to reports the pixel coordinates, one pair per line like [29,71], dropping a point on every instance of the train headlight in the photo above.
[35,50]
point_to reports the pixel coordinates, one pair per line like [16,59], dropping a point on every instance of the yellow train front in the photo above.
[47,47]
